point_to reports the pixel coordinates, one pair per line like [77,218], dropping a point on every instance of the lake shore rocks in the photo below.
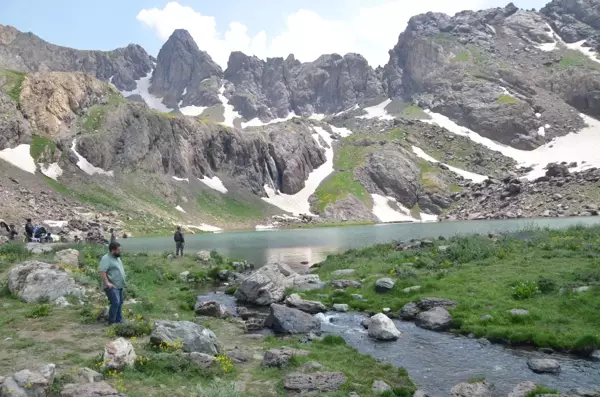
[381,327]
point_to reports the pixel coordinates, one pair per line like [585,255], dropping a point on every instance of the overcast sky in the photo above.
[265,28]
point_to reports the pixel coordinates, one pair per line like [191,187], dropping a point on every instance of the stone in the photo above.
[342,272]
[382,328]
[285,269]
[414,288]
[281,357]
[522,389]
[519,312]
[409,311]
[317,382]
[486,317]
[311,366]
[420,393]
[238,356]
[203,256]
[543,365]
[312,307]
[68,257]
[97,389]
[118,354]
[480,389]
[211,309]
[343,284]
[384,285]
[580,290]
[263,287]
[287,320]
[595,355]
[27,383]
[436,319]
[557,170]
[87,375]
[202,360]
[34,281]
[340,307]
[380,386]
[195,337]
[304,282]
[365,322]
[184,276]
[430,303]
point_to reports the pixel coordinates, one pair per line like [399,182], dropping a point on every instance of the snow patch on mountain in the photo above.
[52,171]
[229,114]
[214,183]
[378,111]
[85,165]
[465,174]
[20,157]
[143,89]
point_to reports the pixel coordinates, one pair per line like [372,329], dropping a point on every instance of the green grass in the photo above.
[428,176]
[454,188]
[576,59]
[414,112]
[12,83]
[482,274]
[415,211]
[39,145]
[97,113]
[227,207]
[506,100]
[463,56]
[335,355]
[541,389]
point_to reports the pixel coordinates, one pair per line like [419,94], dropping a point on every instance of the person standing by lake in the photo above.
[113,276]
[179,241]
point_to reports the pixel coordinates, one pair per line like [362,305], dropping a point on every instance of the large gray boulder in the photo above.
[195,337]
[286,320]
[263,287]
[479,389]
[381,327]
[409,311]
[27,383]
[34,281]
[436,319]
[97,389]
[312,307]
[317,382]
[543,365]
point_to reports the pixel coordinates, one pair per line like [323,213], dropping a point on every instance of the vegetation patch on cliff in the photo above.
[11,83]
[39,145]
[96,114]
[553,274]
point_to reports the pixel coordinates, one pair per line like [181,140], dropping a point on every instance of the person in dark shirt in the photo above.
[179,241]
[29,230]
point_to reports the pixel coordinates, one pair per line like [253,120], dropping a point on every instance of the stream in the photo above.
[437,361]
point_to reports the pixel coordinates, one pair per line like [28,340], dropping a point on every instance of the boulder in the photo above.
[285,269]
[480,389]
[281,357]
[195,337]
[34,281]
[414,288]
[317,382]
[238,356]
[430,303]
[381,327]
[557,170]
[543,365]
[263,287]
[27,383]
[595,355]
[365,322]
[343,284]
[184,276]
[287,320]
[202,360]
[342,272]
[380,386]
[203,256]
[384,285]
[304,282]
[211,309]
[420,393]
[436,319]
[68,257]
[98,389]
[118,354]
[87,375]
[312,307]
[340,307]
[409,311]
[522,389]
[519,312]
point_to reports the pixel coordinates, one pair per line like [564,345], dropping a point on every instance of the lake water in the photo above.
[312,245]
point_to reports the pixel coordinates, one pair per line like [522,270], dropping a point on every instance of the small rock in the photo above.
[68,257]
[312,307]
[414,288]
[281,357]
[118,354]
[342,272]
[318,382]
[519,312]
[97,389]
[409,311]
[420,393]
[202,360]
[238,356]
[384,285]
[382,328]
[345,284]
[358,297]
[311,366]
[436,319]
[365,322]
[183,276]
[285,269]
[480,389]
[522,389]
[211,309]
[595,355]
[543,365]
[580,290]
[194,337]
[340,307]
[86,375]
[486,317]
[380,386]
[203,256]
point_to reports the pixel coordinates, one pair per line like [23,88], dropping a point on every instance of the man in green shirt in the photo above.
[113,276]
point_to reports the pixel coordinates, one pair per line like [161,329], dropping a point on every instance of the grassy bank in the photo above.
[74,336]
[536,270]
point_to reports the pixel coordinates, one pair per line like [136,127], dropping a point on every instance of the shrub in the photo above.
[541,389]
[546,285]
[333,340]
[133,328]
[525,290]
[477,379]
[39,311]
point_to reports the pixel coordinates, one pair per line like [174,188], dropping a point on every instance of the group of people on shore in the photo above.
[32,233]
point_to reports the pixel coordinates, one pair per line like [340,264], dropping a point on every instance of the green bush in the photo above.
[39,311]
[541,389]
[525,290]
[133,328]
[546,285]
[333,340]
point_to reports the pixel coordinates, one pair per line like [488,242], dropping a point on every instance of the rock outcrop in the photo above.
[263,287]
[318,382]
[118,354]
[193,337]
[281,357]
[381,327]
[27,383]
[312,307]
[287,320]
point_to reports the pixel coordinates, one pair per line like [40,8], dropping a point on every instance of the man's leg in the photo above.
[113,296]
[119,317]
[181,248]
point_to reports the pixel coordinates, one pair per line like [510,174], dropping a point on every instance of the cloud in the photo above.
[370,30]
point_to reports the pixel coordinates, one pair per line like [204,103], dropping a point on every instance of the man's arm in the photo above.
[102,269]
[104,278]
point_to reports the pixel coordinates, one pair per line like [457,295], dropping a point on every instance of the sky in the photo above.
[265,28]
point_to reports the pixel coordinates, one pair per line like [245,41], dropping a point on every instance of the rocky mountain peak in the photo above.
[575,20]
[7,34]
[181,73]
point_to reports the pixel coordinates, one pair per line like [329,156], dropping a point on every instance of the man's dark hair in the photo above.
[113,246]
[111,230]
[28,219]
